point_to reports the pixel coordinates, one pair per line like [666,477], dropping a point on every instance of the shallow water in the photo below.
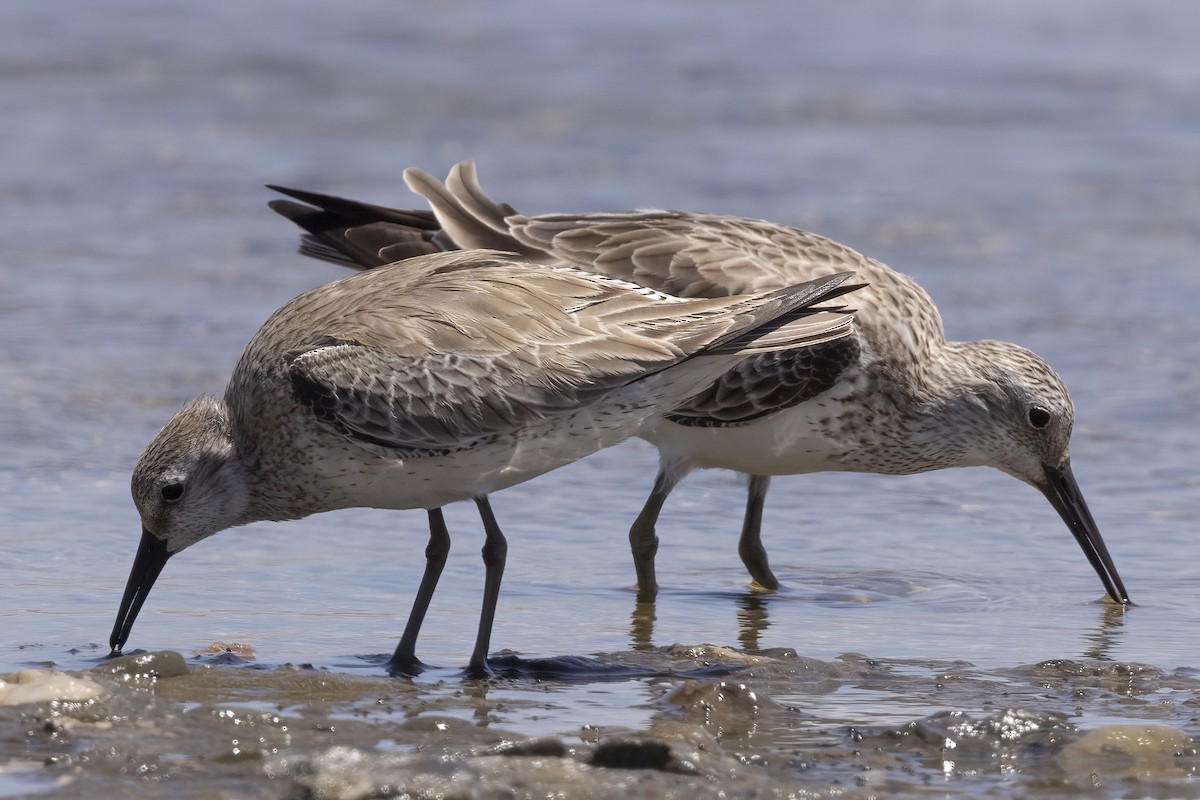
[1033,165]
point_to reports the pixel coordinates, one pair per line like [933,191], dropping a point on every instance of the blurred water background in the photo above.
[1034,165]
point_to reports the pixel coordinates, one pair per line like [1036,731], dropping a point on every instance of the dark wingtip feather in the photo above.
[353,212]
[354,234]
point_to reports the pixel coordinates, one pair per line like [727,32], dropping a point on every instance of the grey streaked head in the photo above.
[1013,412]
[188,485]
[1026,414]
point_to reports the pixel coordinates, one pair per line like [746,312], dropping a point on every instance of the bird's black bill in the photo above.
[151,556]
[1063,493]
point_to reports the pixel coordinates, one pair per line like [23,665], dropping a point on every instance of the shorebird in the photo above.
[895,397]
[439,379]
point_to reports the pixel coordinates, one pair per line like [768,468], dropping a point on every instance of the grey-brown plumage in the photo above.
[894,398]
[765,384]
[440,379]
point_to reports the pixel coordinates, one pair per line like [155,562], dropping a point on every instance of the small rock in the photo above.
[708,653]
[239,649]
[543,746]
[1145,752]
[43,685]
[163,664]
[633,754]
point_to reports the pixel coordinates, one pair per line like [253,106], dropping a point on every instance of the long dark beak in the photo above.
[151,556]
[1063,493]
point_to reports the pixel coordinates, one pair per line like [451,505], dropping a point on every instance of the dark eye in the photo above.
[1039,417]
[171,492]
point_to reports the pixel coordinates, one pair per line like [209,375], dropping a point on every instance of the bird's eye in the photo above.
[171,492]
[1039,417]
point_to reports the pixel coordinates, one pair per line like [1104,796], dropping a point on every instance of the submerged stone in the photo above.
[161,664]
[1144,752]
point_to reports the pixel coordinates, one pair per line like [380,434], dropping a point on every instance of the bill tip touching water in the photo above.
[440,379]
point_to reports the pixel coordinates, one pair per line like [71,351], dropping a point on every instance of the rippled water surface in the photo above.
[1034,165]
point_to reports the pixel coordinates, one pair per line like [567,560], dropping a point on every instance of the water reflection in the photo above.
[752,619]
[751,615]
[641,625]
[476,692]
[1107,635]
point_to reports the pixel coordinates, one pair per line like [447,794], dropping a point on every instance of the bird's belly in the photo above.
[798,440]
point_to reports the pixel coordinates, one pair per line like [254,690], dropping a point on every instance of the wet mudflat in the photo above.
[697,721]
[1033,165]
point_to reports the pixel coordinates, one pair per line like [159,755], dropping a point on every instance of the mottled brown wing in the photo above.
[432,404]
[687,254]
[765,384]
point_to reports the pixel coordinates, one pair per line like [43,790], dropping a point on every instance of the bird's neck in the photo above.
[946,420]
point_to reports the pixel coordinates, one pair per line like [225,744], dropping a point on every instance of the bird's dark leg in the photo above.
[643,541]
[750,546]
[495,551]
[404,661]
